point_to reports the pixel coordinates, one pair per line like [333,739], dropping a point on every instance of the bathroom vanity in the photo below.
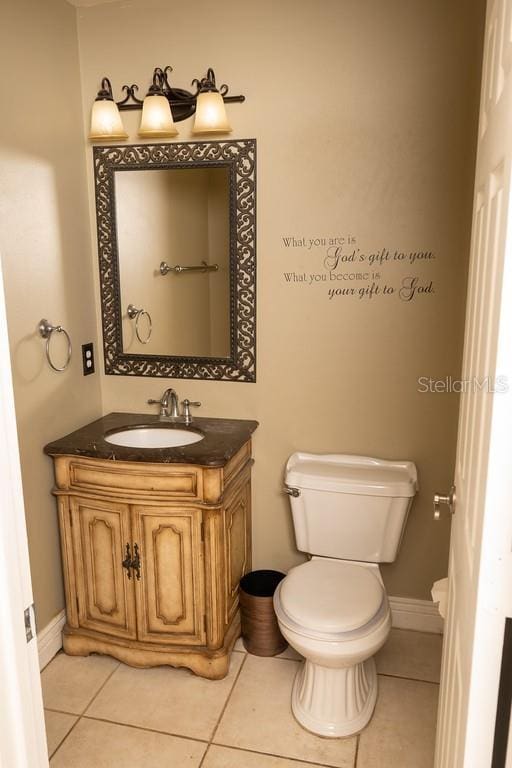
[154,542]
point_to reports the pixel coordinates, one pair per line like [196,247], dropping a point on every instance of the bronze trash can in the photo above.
[260,630]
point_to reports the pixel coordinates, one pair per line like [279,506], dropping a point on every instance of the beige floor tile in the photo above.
[259,717]
[58,726]
[165,699]
[70,682]
[290,653]
[226,757]
[94,744]
[401,733]
[239,646]
[416,655]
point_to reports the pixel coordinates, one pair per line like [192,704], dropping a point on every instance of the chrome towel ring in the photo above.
[46,329]
[136,314]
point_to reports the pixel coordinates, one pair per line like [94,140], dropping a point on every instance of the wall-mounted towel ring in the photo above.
[46,329]
[136,314]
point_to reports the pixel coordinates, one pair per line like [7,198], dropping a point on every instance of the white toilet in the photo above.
[349,513]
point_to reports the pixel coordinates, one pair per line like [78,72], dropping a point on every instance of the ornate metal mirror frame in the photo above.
[239,157]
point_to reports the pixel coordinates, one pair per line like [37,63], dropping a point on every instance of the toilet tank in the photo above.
[350,507]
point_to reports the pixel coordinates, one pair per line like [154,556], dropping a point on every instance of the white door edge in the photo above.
[22,732]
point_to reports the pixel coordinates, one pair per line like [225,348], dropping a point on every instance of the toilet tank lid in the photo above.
[343,473]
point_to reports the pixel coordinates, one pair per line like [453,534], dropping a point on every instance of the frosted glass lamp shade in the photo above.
[156,121]
[211,114]
[106,123]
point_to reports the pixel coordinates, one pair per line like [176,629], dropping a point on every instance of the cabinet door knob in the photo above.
[127,562]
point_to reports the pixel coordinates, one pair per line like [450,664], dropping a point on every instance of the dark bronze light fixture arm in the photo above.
[130,94]
[182,102]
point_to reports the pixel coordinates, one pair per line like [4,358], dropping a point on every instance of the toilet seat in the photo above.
[331,600]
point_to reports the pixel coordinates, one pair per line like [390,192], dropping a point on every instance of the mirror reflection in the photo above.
[174,267]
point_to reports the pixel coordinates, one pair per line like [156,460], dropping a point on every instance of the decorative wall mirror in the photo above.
[176,241]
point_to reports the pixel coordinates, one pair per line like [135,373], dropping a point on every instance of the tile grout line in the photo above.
[412,679]
[223,710]
[228,698]
[357,750]
[61,712]
[61,742]
[144,728]
[85,709]
[301,760]
[101,688]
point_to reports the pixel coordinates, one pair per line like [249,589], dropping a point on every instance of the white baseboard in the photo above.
[49,639]
[421,615]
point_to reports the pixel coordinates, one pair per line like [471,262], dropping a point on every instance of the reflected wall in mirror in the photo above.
[179,217]
[176,240]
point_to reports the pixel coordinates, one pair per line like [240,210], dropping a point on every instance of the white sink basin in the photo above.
[153,437]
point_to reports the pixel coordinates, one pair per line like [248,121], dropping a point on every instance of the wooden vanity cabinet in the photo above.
[152,558]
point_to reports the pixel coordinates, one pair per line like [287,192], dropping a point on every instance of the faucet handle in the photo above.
[160,402]
[186,409]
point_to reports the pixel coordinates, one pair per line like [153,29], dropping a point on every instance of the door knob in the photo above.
[448,499]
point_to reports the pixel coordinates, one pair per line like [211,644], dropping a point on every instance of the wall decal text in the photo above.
[346,270]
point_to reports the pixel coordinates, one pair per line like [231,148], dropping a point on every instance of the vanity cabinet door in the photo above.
[170,592]
[237,548]
[106,597]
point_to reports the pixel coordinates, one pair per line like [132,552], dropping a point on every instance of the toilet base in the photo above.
[334,702]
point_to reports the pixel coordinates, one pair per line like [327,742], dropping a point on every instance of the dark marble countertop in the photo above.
[222,439]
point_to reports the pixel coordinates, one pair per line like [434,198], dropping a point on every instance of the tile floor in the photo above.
[103,714]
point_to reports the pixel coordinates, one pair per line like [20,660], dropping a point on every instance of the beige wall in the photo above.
[45,248]
[365,119]
[364,114]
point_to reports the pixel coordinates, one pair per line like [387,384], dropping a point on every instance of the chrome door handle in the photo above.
[448,499]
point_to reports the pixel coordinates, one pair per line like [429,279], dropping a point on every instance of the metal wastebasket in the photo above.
[260,630]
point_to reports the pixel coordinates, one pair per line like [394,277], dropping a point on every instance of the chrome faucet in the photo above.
[168,404]
[169,407]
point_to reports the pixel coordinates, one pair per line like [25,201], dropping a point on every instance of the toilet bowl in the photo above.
[335,614]
[349,514]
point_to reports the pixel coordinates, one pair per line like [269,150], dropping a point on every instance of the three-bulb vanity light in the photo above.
[162,108]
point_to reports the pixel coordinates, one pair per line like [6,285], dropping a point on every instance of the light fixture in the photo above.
[106,123]
[157,120]
[210,110]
